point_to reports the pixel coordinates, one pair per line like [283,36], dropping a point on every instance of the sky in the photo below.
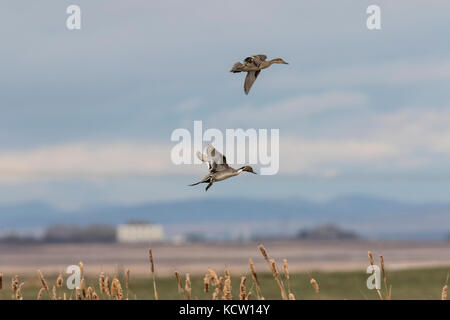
[86,115]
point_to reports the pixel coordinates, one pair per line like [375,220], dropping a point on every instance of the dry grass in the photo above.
[215,286]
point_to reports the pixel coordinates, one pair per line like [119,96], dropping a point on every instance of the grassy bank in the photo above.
[406,284]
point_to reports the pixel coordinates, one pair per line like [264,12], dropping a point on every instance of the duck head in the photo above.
[279,60]
[248,169]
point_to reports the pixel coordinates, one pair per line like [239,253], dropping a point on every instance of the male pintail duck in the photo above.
[218,168]
[253,66]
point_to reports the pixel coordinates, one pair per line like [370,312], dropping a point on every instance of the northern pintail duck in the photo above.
[253,66]
[218,168]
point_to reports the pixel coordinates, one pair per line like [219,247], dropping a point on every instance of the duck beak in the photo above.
[285,62]
[254,172]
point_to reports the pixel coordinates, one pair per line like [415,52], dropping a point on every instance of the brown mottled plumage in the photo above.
[253,66]
[218,168]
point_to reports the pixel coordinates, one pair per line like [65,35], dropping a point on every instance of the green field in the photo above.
[406,284]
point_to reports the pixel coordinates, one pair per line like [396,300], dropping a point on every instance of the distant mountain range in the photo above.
[370,217]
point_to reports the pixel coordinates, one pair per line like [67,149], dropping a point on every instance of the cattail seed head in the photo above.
[221,285]
[83,288]
[59,281]
[315,285]
[43,282]
[78,294]
[116,289]
[213,277]
[101,283]
[242,289]
[179,285]
[54,296]
[264,252]
[286,269]
[89,293]
[215,294]
[81,265]
[369,254]
[19,292]
[227,289]
[187,287]
[152,266]
[41,291]
[206,283]
[107,287]
[14,285]
[444,292]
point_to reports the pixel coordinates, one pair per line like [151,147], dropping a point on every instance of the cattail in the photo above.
[206,283]
[187,287]
[14,285]
[81,269]
[153,273]
[179,285]
[83,288]
[78,294]
[59,281]
[249,295]
[107,287]
[19,292]
[221,284]
[41,291]
[369,254]
[43,282]
[95,296]
[286,275]
[227,289]
[264,252]
[215,294]
[54,296]
[315,285]
[89,293]
[1,281]
[127,280]
[255,278]
[101,283]
[242,289]
[116,289]
[291,296]
[444,292]
[273,267]
[213,277]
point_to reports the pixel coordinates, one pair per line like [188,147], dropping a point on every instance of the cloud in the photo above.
[84,160]
[401,141]
[390,72]
[298,107]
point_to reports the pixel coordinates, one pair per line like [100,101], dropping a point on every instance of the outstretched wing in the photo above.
[250,79]
[219,161]
[204,158]
[256,59]
[216,161]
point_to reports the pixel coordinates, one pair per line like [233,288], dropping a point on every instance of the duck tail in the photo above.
[237,67]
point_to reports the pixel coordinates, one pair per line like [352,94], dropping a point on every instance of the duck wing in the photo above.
[256,59]
[215,160]
[250,79]
[218,160]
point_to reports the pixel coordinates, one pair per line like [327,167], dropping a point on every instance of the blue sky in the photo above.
[86,116]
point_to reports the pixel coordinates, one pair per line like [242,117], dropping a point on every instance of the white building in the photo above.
[139,233]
